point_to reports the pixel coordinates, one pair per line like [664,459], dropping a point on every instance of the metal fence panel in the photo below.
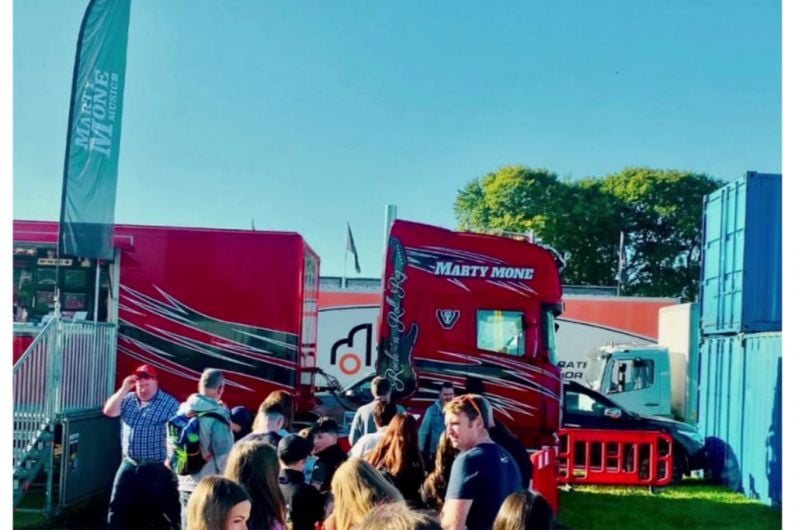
[88,354]
[33,408]
[67,369]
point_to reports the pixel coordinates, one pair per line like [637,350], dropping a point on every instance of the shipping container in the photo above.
[721,405]
[740,412]
[760,460]
[741,256]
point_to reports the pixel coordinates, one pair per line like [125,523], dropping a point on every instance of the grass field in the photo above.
[692,506]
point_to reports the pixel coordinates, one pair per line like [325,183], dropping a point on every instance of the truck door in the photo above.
[633,380]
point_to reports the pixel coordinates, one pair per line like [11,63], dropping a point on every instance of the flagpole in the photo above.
[620,263]
[345,265]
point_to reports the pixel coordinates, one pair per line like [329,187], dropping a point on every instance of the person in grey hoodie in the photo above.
[433,425]
[215,436]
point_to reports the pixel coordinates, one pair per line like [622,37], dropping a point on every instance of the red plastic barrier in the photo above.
[627,458]
[545,475]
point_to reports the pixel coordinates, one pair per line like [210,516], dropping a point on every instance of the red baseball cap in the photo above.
[146,371]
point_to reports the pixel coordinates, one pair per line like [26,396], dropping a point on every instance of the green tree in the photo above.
[587,227]
[659,212]
[512,199]
[661,218]
[577,219]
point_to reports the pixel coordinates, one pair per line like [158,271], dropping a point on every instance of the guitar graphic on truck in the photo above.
[395,359]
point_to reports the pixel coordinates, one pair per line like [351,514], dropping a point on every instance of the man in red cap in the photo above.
[143,484]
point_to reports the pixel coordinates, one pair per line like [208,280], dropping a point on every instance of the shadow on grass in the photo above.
[691,506]
[89,515]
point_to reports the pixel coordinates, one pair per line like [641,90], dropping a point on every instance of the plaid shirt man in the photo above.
[143,428]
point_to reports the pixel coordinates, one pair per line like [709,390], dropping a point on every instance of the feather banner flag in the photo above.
[88,199]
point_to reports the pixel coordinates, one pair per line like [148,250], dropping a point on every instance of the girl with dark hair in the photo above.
[434,488]
[525,510]
[218,503]
[398,456]
[255,466]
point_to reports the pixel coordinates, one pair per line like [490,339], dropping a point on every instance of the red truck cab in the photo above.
[477,311]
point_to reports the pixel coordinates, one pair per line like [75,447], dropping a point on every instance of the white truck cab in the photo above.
[638,377]
[654,379]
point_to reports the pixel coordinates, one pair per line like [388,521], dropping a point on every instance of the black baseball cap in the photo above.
[241,416]
[293,448]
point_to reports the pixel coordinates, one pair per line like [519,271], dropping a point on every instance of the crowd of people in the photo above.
[200,466]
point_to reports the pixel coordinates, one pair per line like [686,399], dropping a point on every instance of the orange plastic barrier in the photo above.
[545,475]
[627,458]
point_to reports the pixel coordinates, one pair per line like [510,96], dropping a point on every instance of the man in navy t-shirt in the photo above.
[483,474]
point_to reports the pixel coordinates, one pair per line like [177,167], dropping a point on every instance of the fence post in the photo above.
[53,399]
[112,343]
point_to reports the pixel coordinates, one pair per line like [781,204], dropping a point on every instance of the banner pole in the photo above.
[96,294]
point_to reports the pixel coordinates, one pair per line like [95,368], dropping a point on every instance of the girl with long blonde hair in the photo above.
[357,488]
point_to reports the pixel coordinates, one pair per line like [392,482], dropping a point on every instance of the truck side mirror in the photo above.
[613,413]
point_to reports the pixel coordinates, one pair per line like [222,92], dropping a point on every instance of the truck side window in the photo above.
[549,327]
[501,331]
[629,375]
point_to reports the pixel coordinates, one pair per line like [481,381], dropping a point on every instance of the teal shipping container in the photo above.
[741,257]
[760,461]
[740,412]
[721,405]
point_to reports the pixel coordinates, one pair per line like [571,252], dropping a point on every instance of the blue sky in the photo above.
[307,115]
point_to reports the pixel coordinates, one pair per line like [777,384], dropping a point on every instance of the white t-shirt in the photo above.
[365,445]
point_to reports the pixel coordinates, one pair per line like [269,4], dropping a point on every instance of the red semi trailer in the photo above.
[186,299]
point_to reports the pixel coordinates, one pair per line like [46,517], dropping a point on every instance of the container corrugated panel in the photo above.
[741,256]
[721,404]
[760,460]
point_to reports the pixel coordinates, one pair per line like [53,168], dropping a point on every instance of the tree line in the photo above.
[658,211]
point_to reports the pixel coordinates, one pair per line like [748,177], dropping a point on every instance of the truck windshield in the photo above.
[596,366]
[501,331]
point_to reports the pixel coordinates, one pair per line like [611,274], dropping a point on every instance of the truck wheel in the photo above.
[722,466]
